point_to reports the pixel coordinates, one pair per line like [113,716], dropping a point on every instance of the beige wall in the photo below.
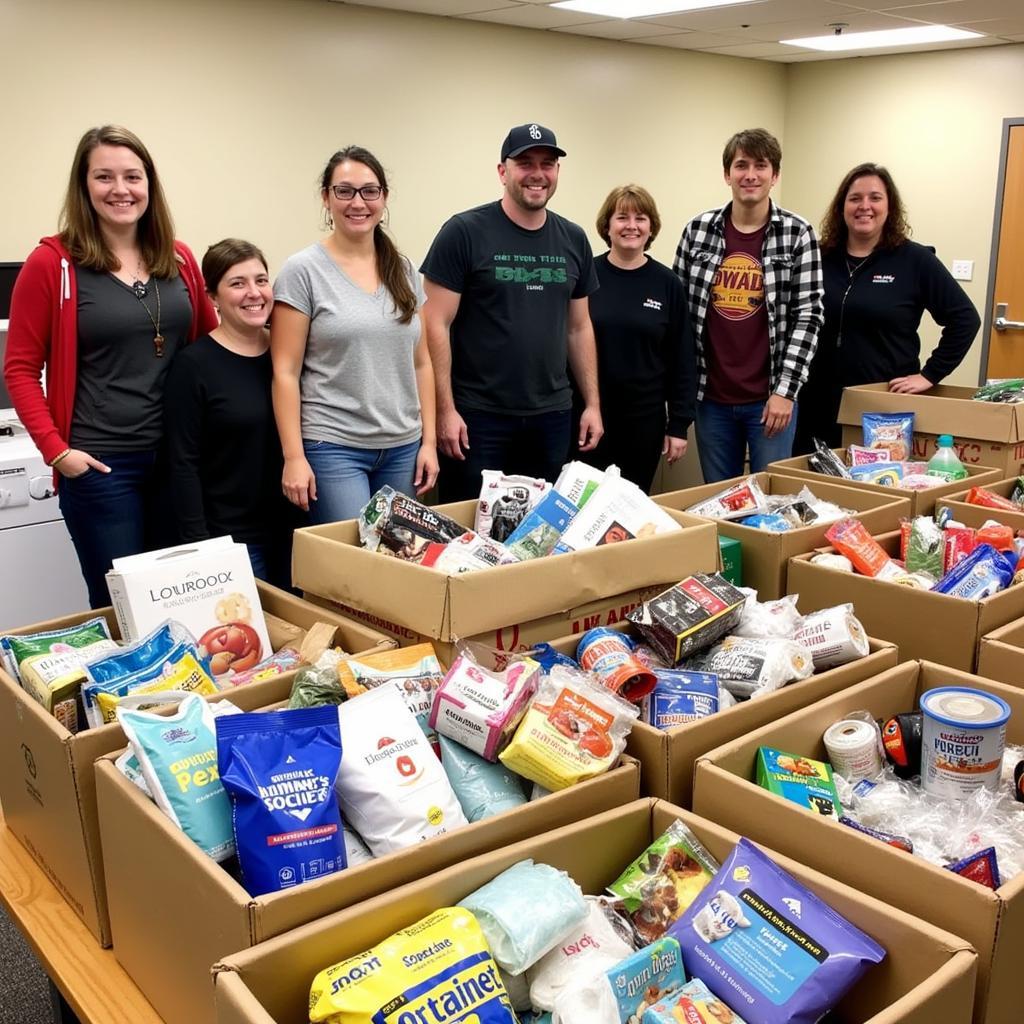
[935,120]
[241,104]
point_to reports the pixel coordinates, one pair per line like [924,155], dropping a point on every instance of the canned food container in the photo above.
[963,740]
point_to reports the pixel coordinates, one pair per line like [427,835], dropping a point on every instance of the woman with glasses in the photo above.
[223,452]
[353,386]
[102,308]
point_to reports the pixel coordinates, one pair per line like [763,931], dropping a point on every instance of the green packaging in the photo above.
[801,780]
[732,560]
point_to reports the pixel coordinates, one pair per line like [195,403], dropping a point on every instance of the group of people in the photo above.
[172,412]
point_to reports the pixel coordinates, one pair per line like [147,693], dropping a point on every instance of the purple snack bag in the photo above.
[769,947]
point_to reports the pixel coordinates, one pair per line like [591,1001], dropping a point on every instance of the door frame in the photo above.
[986,326]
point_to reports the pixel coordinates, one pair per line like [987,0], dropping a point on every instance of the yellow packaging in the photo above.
[438,969]
[187,675]
[54,678]
[573,730]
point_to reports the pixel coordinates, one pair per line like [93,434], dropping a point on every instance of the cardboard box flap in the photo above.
[958,414]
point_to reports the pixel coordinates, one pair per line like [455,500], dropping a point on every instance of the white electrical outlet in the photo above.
[963,270]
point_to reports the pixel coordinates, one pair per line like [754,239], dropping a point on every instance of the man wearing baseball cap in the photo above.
[506,316]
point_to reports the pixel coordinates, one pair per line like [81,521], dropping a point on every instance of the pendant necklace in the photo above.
[141,290]
[854,263]
[139,286]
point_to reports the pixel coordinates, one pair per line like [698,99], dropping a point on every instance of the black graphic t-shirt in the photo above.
[509,338]
[736,339]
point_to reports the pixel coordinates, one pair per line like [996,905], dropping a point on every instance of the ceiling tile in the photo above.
[619,28]
[729,19]
[820,25]
[954,12]
[1004,27]
[757,50]
[699,40]
[450,8]
[535,16]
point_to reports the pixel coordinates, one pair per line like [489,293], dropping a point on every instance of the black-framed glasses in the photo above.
[368,192]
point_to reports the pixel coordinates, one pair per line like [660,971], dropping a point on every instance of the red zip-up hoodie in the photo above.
[43,332]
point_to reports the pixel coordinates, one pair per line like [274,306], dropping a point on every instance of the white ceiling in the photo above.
[751,29]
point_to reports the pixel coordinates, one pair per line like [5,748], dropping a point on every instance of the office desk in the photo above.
[89,978]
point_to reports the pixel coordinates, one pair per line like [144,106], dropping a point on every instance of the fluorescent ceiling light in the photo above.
[641,8]
[885,37]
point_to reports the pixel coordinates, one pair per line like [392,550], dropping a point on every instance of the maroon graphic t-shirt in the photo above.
[736,336]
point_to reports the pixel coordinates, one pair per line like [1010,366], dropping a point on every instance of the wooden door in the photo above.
[1006,344]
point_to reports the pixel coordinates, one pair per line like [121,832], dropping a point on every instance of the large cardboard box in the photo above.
[976,515]
[765,554]
[668,757]
[174,912]
[922,624]
[922,503]
[927,977]
[520,636]
[985,433]
[992,921]
[330,562]
[1001,654]
[47,782]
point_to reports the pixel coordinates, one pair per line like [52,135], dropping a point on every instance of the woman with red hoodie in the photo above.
[102,308]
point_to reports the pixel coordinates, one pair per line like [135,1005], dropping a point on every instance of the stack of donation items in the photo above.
[677,937]
[518,518]
[937,554]
[938,782]
[746,503]
[1009,390]
[191,624]
[374,754]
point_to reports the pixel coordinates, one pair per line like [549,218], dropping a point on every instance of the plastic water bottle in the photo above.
[945,463]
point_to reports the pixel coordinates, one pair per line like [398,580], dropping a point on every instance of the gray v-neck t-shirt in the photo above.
[358,382]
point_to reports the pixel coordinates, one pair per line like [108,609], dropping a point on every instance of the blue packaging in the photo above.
[893,431]
[547,657]
[153,649]
[770,521]
[680,696]
[482,788]
[983,572]
[645,976]
[279,768]
[767,946]
[541,527]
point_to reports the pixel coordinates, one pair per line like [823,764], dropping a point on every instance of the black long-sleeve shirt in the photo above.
[222,445]
[645,350]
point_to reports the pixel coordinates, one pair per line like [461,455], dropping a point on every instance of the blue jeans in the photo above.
[110,515]
[347,477]
[532,445]
[724,433]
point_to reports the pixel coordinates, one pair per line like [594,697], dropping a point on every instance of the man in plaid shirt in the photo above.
[752,273]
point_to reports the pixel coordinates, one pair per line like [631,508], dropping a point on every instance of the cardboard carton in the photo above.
[47,783]
[977,515]
[1001,654]
[922,503]
[667,757]
[984,433]
[921,624]
[520,636]
[992,921]
[330,562]
[174,912]
[927,976]
[765,554]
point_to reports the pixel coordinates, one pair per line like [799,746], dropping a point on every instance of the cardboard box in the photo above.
[922,503]
[605,611]
[992,921]
[984,433]
[1001,654]
[921,624]
[667,757]
[765,554]
[928,974]
[47,783]
[174,912]
[976,515]
[330,562]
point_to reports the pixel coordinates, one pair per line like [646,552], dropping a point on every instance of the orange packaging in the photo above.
[851,538]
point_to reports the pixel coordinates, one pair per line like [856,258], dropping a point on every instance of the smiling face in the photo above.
[356,217]
[530,179]
[629,231]
[865,210]
[244,297]
[750,178]
[118,187]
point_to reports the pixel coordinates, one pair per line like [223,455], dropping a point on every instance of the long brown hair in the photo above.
[895,231]
[79,223]
[392,266]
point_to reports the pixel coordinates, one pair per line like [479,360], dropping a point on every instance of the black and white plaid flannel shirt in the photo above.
[793,290]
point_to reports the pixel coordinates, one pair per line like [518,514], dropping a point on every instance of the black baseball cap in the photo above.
[526,136]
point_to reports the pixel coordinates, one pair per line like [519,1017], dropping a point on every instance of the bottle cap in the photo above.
[945,440]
